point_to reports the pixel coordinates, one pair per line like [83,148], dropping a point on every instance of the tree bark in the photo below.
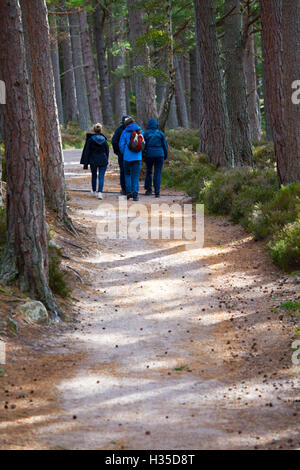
[146,107]
[51,154]
[90,71]
[214,129]
[56,68]
[80,82]
[267,116]
[251,87]
[195,90]
[271,19]
[117,35]
[180,96]
[99,21]
[290,172]
[170,88]
[234,46]
[69,88]
[26,251]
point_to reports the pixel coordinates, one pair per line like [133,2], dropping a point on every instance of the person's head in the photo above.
[97,128]
[152,124]
[124,119]
[128,121]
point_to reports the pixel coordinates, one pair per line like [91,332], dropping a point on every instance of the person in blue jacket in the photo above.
[96,154]
[132,160]
[156,152]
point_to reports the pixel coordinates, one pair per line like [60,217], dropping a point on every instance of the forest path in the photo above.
[151,307]
[108,379]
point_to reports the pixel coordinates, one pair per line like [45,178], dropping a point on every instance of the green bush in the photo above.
[282,209]
[183,139]
[264,155]
[234,192]
[57,276]
[187,171]
[285,248]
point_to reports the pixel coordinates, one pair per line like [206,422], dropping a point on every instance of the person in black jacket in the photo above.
[96,154]
[115,143]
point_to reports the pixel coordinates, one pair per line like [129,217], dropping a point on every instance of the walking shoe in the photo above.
[100,196]
[148,193]
[129,196]
[93,193]
[157,196]
[136,198]
[123,192]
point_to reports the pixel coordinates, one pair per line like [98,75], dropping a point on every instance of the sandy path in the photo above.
[146,309]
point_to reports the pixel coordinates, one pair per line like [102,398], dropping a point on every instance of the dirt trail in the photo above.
[148,308]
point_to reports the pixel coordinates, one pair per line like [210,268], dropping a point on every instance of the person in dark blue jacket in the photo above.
[156,152]
[132,160]
[96,154]
[115,143]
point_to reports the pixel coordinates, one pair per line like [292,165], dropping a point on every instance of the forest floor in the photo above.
[168,345]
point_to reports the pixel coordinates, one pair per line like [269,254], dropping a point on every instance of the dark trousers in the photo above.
[95,169]
[157,163]
[132,174]
[122,175]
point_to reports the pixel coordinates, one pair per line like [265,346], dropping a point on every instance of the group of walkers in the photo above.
[130,144]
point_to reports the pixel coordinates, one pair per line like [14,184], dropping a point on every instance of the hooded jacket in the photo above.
[128,155]
[156,144]
[96,151]
[117,135]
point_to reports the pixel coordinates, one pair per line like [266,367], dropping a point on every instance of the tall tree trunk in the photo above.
[99,21]
[215,134]
[251,87]
[180,96]
[291,73]
[172,121]
[236,85]
[26,251]
[271,19]
[56,68]
[69,88]
[267,115]
[50,145]
[118,80]
[195,90]
[144,86]
[90,71]
[187,83]
[170,88]
[80,82]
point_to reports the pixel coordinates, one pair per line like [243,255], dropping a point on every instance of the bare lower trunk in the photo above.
[26,252]
[195,90]
[291,74]
[80,82]
[90,71]
[144,85]
[50,145]
[271,18]
[214,129]
[69,91]
[180,96]
[56,68]
[170,88]
[251,88]
[99,21]
[236,85]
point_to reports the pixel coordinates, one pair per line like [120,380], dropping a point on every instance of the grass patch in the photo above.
[73,136]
